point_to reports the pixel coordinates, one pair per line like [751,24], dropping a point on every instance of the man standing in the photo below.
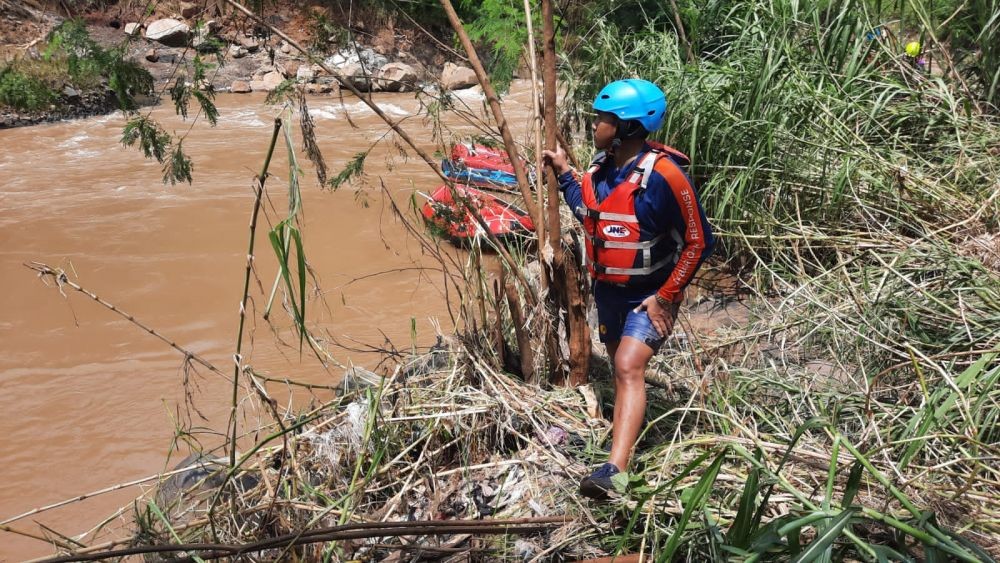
[646,237]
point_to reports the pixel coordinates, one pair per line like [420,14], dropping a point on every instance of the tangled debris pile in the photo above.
[467,444]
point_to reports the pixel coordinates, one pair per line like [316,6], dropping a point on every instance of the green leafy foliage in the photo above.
[128,79]
[282,236]
[22,91]
[179,167]
[153,141]
[156,143]
[324,34]
[695,501]
[498,25]
[353,169]
[205,100]
[87,62]
[281,93]
[180,95]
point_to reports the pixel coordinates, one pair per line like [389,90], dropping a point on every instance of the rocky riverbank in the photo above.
[72,104]
[244,57]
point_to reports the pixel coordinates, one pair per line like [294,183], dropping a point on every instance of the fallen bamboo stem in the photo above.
[86,496]
[60,278]
[347,531]
[631,558]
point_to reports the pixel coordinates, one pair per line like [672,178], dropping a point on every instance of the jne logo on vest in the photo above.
[616,231]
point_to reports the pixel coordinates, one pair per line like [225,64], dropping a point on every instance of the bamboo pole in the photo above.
[494,103]
[238,357]
[568,282]
[536,118]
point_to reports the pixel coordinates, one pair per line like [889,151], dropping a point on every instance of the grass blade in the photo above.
[698,497]
[818,547]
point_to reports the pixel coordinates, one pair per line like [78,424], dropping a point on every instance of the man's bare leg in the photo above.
[630,357]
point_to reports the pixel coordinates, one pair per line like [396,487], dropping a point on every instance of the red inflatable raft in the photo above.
[503,218]
[468,155]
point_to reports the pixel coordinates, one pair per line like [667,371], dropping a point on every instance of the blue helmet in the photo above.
[634,99]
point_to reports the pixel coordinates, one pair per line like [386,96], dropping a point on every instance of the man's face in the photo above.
[605,126]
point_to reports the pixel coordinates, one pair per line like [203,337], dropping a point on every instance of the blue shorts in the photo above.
[616,316]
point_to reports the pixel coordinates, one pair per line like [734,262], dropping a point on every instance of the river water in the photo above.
[90,400]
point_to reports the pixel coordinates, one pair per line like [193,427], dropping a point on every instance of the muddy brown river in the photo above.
[89,400]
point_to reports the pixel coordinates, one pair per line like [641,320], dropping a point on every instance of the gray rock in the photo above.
[152,56]
[169,32]
[336,61]
[240,87]
[237,52]
[369,59]
[71,94]
[304,74]
[396,77]
[372,60]
[189,10]
[286,48]
[355,75]
[249,43]
[133,29]
[455,77]
[201,478]
[204,40]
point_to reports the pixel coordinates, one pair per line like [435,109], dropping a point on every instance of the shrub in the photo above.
[24,92]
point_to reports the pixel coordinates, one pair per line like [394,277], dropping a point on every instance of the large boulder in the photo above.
[455,77]
[355,75]
[71,95]
[372,60]
[289,68]
[169,32]
[240,87]
[396,77]
[367,58]
[268,82]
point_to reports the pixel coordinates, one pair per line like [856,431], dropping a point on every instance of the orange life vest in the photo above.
[619,250]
